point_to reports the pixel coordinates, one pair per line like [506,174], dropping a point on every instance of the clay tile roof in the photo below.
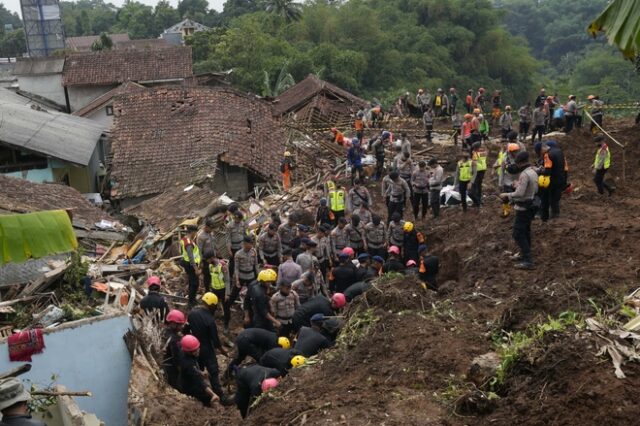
[165,136]
[100,101]
[298,95]
[84,43]
[167,210]
[119,66]
[21,196]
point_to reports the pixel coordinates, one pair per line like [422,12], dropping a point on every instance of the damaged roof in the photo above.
[168,135]
[297,96]
[128,87]
[52,134]
[119,66]
[167,210]
[22,196]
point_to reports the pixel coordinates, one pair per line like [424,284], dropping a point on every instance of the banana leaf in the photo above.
[620,22]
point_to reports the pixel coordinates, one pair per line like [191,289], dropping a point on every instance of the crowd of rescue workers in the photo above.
[294,279]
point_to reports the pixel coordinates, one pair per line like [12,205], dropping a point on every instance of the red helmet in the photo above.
[348,251]
[269,384]
[411,263]
[339,300]
[394,250]
[153,280]
[189,343]
[176,316]
[334,130]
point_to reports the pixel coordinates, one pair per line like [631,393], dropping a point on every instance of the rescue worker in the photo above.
[601,164]
[509,174]
[358,125]
[456,124]
[191,261]
[358,288]
[251,381]
[322,250]
[479,157]
[310,340]
[453,101]
[395,231]
[427,120]
[270,247]
[305,287]
[339,238]
[523,198]
[338,136]
[364,214]
[412,239]
[496,103]
[525,116]
[468,102]
[404,165]
[541,98]
[317,305]
[246,270]
[465,173]
[323,214]
[405,144]
[236,231]
[306,258]
[428,268]
[174,322]
[364,271]
[467,131]
[377,262]
[597,112]
[355,234]
[337,203]
[254,342]
[393,263]
[420,183]
[554,167]
[483,129]
[202,325]
[297,244]
[506,122]
[436,175]
[539,123]
[14,404]
[284,303]
[282,360]
[220,279]
[257,309]
[423,100]
[480,100]
[342,275]
[154,302]
[286,167]
[375,234]
[411,268]
[206,244]
[377,146]
[354,160]
[287,232]
[398,192]
[384,189]
[570,114]
[288,271]
[357,196]
[440,104]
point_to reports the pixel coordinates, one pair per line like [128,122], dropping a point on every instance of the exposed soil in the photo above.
[406,370]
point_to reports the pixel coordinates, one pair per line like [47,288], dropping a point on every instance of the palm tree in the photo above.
[620,21]
[284,81]
[289,10]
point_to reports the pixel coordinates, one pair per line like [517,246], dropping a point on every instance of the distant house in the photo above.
[176,33]
[87,76]
[316,101]
[162,137]
[41,77]
[42,146]
[101,108]
[84,43]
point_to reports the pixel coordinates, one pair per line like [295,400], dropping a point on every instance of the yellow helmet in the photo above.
[298,361]
[287,154]
[284,342]
[267,275]
[544,181]
[210,299]
[476,110]
[408,226]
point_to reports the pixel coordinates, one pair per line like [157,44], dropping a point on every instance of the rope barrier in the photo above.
[624,151]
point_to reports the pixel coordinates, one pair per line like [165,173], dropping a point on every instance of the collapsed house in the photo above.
[316,101]
[168,136]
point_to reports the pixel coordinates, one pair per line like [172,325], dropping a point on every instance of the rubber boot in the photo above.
[506,209]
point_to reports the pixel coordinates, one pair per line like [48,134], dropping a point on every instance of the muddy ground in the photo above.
[410,367]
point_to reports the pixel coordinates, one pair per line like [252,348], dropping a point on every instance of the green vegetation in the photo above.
[511,345]
[357,327]
[621,23]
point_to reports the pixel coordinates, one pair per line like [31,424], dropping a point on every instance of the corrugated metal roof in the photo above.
[56,135]
[38,66]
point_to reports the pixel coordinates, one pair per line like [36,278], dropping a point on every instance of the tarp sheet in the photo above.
[35,235]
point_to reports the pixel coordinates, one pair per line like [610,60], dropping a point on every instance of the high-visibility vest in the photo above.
[217,277]
[481,160]
[465,170]
[330,185]
[438,100]
[184,242]
[336,200]
[501,157]
[607,158]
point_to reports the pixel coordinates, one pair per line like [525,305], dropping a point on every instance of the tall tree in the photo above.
[289,10]
[13,44]
[136,19]
[164,16]
[193,8]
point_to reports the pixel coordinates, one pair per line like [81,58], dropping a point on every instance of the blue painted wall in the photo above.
[91,356]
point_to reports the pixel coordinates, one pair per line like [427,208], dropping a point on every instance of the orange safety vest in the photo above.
[359,124]
[467,128]
[547,161]
[423,268]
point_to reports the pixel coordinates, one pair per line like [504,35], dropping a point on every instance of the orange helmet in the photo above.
[468,116]
[481,90]
[590,97]
[513,147]
[334,130]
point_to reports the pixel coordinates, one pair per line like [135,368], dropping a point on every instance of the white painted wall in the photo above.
[48,86]
[81,96]
[100,116]
[88,355]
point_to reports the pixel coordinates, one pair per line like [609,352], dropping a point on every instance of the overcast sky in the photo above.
[14,5]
